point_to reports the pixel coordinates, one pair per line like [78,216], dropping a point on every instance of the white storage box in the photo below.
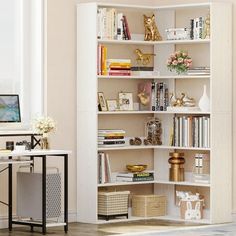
[29,195]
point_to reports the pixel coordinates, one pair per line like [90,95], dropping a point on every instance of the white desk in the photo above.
[12,158]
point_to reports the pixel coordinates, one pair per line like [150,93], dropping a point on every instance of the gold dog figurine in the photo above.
[143,58]
[151,31]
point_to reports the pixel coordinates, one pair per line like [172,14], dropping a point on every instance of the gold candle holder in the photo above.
[176,171]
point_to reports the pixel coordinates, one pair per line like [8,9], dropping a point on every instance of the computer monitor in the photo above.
[9,108]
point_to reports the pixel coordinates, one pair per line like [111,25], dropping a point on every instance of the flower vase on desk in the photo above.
[204,102]
[44,141]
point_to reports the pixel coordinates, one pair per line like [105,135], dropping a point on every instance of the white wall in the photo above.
[61,77]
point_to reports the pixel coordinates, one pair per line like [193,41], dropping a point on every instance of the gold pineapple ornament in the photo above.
[151,30]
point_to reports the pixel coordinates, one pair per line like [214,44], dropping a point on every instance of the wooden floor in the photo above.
[79,229]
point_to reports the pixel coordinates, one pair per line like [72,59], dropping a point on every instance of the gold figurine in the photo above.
[183,101]
[151,31]
[143,58]
[206,28]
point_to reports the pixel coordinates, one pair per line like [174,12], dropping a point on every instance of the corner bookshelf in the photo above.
[211,52]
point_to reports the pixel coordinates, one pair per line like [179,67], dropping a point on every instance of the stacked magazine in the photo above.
[111,138]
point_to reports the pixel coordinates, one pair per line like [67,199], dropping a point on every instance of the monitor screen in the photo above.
[9,108]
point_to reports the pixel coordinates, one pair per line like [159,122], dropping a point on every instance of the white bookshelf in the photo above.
[218,192]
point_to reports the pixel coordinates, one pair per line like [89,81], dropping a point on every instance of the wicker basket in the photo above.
[148,205]
[111,204]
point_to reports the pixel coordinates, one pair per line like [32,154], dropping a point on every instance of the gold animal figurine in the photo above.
[143,58]
[206,29]
[151,31]
[183,101]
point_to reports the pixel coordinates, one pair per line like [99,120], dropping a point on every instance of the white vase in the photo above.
[204,102]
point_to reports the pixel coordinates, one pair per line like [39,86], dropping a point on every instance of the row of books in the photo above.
[191,131]
[156,94]
[111,137]
[197,28]
[135,177]
[104,168]
[116,67]
[202,163]
[202,70]
[112,24]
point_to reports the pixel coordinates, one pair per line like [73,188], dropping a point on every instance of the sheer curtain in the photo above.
[21,54]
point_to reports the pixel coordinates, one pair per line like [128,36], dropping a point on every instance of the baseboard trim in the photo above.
[4,219]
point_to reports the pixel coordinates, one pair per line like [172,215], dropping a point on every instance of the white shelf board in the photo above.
[184,183]
[167,217]
[139,77]
[153,8]
[134,147]
[8,161]
[126,183]
[151,112]
[142,42]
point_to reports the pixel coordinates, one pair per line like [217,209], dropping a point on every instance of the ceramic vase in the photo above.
[204,102]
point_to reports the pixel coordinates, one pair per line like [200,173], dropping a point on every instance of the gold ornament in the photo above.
[206,28]
[151,31]
[143,58]
[183,101]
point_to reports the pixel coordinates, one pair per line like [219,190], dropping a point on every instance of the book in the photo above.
[136,174]
[127,33]
[110,137]
[111,142]
[134,179]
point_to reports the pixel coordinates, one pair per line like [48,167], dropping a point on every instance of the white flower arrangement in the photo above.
[44,125]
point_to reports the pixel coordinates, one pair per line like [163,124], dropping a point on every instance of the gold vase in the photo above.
[44,142]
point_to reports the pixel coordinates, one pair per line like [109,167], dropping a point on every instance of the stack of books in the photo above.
[191,131]
[135,177]
[202,70]
[112,24]
[111,138]
[197,28]
[118,67]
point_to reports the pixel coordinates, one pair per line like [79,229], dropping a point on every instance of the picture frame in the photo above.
[126,101]
[102,106]
[112,105]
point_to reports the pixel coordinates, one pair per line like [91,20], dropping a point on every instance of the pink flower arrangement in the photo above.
[179,61]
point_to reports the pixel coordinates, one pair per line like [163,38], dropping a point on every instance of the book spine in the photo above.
[110,137]
[104,57]
[191,28]
[120,26]
[127,28]
[181,123]
[111,142]
[166,99]
[153,96]
[201,23]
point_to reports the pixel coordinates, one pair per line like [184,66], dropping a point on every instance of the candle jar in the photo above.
[153,132]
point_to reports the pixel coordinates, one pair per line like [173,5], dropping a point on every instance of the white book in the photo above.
[200,131]
[99,23]
[205,132]
[108,167]
[102,167]
[119,26]
[196,28]
[181,131]
[185,142]
[208,131]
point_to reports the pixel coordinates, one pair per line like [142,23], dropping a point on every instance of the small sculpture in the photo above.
[144,98]
[183,101]
[143,58]
[206,29]
[151,31]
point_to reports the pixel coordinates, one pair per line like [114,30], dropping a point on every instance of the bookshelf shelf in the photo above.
[131,77]
[152,112]
[205,53]
[184,183]
[141,42]
[129,147]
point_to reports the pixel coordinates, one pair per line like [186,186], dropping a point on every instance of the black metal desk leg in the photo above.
[44,217]
[66,192]
[10,196]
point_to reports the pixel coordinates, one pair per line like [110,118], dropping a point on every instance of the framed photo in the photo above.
[102,106]
[126,101]
[112,105]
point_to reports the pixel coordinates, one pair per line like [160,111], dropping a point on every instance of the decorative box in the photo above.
[148,205]
[191,210]
[178,34]
[112,204]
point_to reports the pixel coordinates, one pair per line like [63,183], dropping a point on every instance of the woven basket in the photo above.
[148,205]
[113,203]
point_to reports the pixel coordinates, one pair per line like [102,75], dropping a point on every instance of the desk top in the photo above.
[36,152]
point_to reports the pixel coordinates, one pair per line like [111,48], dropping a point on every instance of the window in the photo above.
[21,54]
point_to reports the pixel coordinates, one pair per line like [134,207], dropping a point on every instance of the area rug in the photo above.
[143,226]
